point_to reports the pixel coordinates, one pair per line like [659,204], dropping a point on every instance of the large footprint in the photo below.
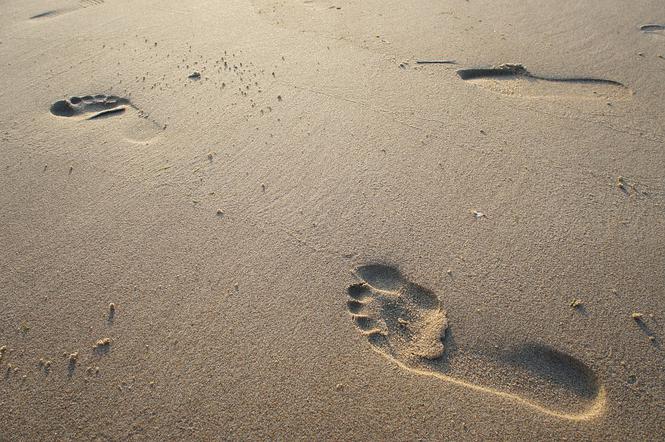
[406,324]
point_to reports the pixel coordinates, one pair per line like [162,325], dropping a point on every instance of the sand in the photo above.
[266,220]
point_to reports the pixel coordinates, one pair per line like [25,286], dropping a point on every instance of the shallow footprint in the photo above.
[100,106]
[516,80]
[406,323]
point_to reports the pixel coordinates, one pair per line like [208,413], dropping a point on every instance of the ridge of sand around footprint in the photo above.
[407,324]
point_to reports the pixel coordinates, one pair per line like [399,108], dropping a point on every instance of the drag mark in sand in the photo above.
[515,79]
[406,323]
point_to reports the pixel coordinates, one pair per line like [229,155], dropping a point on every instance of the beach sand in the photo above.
[267,220]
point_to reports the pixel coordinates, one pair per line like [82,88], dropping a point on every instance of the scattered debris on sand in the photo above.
[104,342]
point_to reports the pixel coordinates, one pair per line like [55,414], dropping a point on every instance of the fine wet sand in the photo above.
[353,220]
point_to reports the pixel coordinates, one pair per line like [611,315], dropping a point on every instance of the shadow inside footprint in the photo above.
[554,367]
[406,323]
[380,276]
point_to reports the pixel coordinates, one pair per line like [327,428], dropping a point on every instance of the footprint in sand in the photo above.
[65,9]
[406,324]
[95,107]
[90,107]
[653,29]
[516,80]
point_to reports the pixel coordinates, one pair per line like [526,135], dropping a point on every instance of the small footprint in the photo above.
[407,324]
[515,79]
[100,106]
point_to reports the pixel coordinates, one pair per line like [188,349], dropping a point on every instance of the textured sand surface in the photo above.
[305,233]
